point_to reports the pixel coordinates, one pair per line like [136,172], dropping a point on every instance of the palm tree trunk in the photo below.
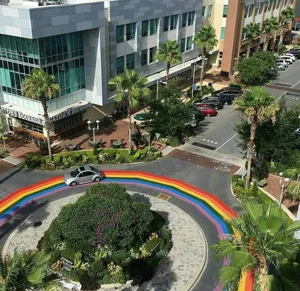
[266,43]
[248,49]
[280,39]
[45,108]
[202,69]
[129,118]
[263,275]
[250,152]
[167,73]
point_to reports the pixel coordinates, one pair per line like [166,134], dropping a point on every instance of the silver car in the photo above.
[82,175]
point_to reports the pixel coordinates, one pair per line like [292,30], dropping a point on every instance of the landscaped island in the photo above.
[106,237]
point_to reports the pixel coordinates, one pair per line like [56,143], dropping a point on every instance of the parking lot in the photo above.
[218,133]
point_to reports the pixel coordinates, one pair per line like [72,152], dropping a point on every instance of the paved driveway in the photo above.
[215,182]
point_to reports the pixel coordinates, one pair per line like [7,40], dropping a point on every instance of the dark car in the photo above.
[295,53]
[235,87]
[214,102]
[226,97]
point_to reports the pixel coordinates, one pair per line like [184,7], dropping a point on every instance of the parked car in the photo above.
[234,87]
[207,111]
[197,117]
[297,132]
[282,62]
[295,53]
[214,102]
[227,96]
[287,59]
[290,55]
[82,175]
[280,67]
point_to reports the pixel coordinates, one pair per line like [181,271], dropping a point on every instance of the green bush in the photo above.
[153,149]
[262,183]
[119,257]
[55,256]
[96,268]
[74,275]
[173,141]
[68,253]
[165,233]
[56,159]
[153,244]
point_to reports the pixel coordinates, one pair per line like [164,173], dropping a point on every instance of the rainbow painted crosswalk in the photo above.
[213,208]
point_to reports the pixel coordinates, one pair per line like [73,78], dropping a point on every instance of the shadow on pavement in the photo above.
[10,174]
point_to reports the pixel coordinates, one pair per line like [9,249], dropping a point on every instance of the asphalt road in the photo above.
[215,182]
[219,132]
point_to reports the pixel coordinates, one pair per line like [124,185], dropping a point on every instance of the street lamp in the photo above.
[94,129]
[283,184]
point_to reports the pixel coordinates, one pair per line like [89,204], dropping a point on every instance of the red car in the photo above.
[206,111]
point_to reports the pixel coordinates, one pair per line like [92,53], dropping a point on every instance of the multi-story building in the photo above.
[83,44]
[242,12]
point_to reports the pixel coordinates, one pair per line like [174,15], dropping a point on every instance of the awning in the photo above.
[69,110]
[22,113]
[174,70]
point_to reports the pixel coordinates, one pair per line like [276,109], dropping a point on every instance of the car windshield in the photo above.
[94,170]
[74,173]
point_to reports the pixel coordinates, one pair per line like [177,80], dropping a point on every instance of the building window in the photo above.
[184,19]
[173,22]
[189,43]
[261,7]
[209,10]
[67,123]
[225,10]
[269,5]
[277,3]
[222,32]
[153,26]
[292,2]
[130,62]
[182,45]
[152,53]
[145,28]
[120,65]
[166,23]
[257,8]
[130,31]
[144,58]
[203,11]
[32,126]
[120,33]
[250,11]
[191,17]
[244,34]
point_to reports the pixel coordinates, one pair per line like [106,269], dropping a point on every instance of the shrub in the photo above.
[173,141]
[68,253]
[153,149]
[96,268]
[56,159]
[165,233]
[262,183]
[119,257]
[55,256]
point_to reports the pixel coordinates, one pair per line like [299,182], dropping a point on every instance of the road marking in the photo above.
[295,84]
[226,142]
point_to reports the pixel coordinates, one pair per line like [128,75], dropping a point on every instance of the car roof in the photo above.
[84,168]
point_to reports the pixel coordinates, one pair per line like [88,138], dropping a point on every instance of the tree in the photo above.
[23,270]
[205,39]
[270,25]
[275,144]
[258,106]
[170,116]
[252,30]
[130,86]
[169,53]
[41,86]
[286,16]
[263,240]
[3,137]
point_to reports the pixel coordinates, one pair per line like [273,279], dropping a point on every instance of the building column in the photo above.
[232,35]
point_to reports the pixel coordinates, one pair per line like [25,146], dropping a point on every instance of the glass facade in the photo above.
[173,22]
[152,53]
[144,57]
[225,10]
[145,28]
[189,43]
[182,45]
[60,55]
[130,61]
[184,19]
[223,29]
[153,26]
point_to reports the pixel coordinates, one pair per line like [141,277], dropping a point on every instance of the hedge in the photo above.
[79,158]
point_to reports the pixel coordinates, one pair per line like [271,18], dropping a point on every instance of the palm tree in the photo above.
[23,270]
[41,86]
[130,86]
[2,134]
[258,106]
[270,25]
[286,16]
[252,30]
[263,237]
[169,53]
[205,39]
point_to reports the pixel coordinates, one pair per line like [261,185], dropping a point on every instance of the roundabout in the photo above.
[212,211]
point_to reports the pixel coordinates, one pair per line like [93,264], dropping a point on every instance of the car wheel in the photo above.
[97,179]
[208,115]
[73,184]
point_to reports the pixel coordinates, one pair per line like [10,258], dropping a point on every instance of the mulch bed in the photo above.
[273,187]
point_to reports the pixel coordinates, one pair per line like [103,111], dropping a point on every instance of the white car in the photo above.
[282,62]
[290,55]
[287,59]
[280,67]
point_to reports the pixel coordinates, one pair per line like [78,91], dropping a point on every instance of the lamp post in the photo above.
[94,129]
[283,184]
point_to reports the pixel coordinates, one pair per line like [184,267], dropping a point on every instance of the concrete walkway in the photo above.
[180,270]
[212,154]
